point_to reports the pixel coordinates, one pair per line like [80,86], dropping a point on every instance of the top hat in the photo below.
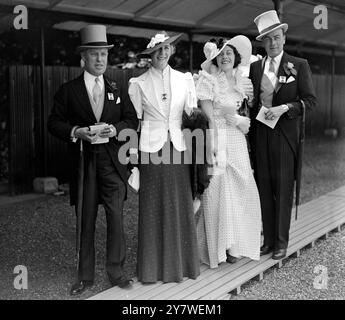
[267,22]
[240,42]
[158,41]
[94,36]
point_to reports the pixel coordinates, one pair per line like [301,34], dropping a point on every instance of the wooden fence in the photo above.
[34,152]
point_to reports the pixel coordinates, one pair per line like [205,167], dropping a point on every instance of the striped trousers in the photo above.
[274,173]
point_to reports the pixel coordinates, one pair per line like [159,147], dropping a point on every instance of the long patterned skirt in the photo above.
[167,240]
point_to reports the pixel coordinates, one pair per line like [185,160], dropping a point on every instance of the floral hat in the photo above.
[240,42]
[158,41]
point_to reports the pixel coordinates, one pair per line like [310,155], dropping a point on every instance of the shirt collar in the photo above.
[90,79]
[157,72]
[277,59]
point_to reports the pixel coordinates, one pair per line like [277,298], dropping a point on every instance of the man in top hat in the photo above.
[283,84]
[79,104]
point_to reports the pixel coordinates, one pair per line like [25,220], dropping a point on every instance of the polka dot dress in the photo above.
[230,213]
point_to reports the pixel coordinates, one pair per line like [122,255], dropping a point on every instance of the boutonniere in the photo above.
[113,86]
[289,69]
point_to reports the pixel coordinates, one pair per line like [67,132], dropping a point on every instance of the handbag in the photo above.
[244,108]
[244,111]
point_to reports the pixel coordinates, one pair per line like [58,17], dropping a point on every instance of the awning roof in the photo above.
[141,18]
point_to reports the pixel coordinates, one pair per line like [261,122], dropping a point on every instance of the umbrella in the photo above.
[80,197]
[299,159]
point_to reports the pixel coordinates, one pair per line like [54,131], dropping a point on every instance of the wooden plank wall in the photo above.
[325,116]
[317,120]
[56,149]
[27,125]
[339,102]
[21,128]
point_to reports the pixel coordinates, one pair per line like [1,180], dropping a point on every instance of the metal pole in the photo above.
[330,123]
[278,6]
[42,111]
[190,35]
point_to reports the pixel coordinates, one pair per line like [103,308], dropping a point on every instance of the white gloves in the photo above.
[243,123]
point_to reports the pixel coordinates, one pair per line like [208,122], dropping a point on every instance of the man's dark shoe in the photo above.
[80,287]
[279,254]
[122,282]
[265,250]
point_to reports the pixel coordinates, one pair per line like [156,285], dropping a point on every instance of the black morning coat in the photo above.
[298,94]
[72,108]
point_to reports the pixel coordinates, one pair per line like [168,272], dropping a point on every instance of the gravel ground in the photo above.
[30,236]
[317,274]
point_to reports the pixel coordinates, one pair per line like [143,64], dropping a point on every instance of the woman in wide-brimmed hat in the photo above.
[167,239]
[231,222]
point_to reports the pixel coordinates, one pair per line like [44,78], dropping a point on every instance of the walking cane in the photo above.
[80,198]
[299,159]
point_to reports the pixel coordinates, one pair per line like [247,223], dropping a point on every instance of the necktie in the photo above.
[96,91]
[271,67]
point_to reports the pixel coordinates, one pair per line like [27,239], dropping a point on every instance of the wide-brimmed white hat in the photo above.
[94,36]
[158,41]
[240,42]
[267,22]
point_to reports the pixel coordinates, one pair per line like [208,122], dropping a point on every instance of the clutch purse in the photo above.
[244,108]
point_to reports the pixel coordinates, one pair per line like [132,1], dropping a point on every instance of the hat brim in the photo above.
[172,39]
[82,48]
[283,26]
[242,45]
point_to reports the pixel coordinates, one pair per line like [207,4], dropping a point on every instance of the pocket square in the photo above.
[118,100]
[291,78]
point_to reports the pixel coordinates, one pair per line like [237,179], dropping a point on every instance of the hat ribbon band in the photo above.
[270,27]
[99,43]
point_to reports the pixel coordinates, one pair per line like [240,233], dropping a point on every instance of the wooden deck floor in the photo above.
[316,219]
